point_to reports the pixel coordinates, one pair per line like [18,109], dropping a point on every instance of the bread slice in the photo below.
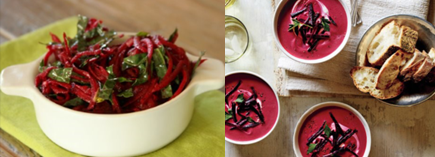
[383,44]
[408,38]
[432,54]
[388,40]
[389,71]
[364,77]
[395,90]
[409,69]
[424,69]
[405,59]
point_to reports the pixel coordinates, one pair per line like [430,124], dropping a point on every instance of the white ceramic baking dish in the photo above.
[125,134]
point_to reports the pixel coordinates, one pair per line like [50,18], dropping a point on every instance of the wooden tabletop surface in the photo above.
[199,22]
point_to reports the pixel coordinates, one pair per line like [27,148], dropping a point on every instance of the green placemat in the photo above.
[203,137]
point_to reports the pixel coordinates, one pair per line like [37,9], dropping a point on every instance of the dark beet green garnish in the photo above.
[232,91]
[298,12]
[309,28]
[333,22]
[337,126]
[319,139]
[243,108]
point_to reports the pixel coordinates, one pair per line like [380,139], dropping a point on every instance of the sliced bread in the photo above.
[409,69]
[388,40]
[424,69]
[408,38]
[364,78]
[389,71]
[432,54]
[383,44]
[395,90]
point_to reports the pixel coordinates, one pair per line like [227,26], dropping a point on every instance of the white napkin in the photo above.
[333,75]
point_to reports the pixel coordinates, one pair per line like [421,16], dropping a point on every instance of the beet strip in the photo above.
[332,21]
[315,135]
[94,86]
[166,81]
[137,45]
[298,12]
[182,84]
[233,107]
[67,50]
[311,14]
[54,38]
[337,125]
[43,76]
[232,91]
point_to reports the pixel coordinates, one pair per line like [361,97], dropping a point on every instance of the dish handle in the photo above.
[209,76]
[18,79]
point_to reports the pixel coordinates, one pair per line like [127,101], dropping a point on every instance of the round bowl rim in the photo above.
[247,39]
[316,61]
[328,104]
[372,27]
[277,117]
[39,95]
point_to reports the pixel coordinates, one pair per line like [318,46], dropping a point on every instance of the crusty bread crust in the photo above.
[388,40]
[389,71]
[395,90]
[412,66]
[423,70]
[408,38]
[364,78]
[379,61]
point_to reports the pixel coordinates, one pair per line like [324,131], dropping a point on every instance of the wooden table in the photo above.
[200,24]
[395,131]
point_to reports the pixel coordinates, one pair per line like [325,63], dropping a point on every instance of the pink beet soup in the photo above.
[345,118]
[266,97]
[294,45]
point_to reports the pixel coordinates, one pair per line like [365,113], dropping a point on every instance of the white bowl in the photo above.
[329,104]
[127,134]
[277,118]
[315,61]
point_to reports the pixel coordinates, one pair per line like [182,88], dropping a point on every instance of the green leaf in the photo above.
[240,98]
[159,62]
[173,34]
[134,60]
[167,92]
[228,116]
[61,74]
[106,91]
[56,64]
[97,35]
[81,24]
[325,24]
[161,69]
[296,26]
[123,79]
[311,148]
[126,94]
[251,120]
[41,66]
[143,75]
[84,59]
[327,130]
[197,62]
[73,102]
[142,34]
[109,70]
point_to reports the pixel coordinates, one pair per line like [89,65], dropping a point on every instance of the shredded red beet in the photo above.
[86,73]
